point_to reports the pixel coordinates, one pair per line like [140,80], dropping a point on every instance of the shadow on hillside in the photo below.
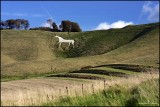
[134,68]
[145,31]
[102,72]
[70,75]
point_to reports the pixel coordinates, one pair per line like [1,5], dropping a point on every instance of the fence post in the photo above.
[82,88]
[104,84]
[93,88]
[67,90]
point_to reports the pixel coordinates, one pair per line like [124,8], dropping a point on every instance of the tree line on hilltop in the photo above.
[22,24]
[15,24]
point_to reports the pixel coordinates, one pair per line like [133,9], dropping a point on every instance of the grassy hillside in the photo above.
[28,45]
[145,94]
[103,41]
[100,60]
[35,52]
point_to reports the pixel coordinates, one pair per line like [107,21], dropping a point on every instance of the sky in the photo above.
[90,15]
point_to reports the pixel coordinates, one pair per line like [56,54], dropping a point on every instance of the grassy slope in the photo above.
[28,45]
[32,52]
[144,50]
[145,94]
[103,41]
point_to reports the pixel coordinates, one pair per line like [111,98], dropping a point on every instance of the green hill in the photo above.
[103,41]
[31,52]
[28,45]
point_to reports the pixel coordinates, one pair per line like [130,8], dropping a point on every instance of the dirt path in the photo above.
[34,91]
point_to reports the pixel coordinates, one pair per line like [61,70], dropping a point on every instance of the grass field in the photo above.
[145,94]
[48,90]
[37,71]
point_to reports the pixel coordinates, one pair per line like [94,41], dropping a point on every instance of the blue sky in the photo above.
[90,15]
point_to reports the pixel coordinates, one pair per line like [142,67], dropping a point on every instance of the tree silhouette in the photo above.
[54,26]
[15,24]
[50,21]
[10,23]
[68,26]
[75,27]
[3,24]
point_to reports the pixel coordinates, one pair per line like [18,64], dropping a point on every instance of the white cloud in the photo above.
[103,25]
[151,10]
[118,24]
[46,25]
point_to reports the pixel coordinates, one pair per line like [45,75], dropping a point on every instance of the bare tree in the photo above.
[50,21]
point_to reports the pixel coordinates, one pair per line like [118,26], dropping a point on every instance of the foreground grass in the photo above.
[145,94]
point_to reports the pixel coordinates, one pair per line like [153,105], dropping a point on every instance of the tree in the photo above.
[17,24]
[25,24]
[68,26]
[54,26]
[10,23]
[41,28]
[60,27]
[50,22]
[3,24]
[75,27]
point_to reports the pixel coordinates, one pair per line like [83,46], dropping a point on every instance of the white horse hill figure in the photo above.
[61,40]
